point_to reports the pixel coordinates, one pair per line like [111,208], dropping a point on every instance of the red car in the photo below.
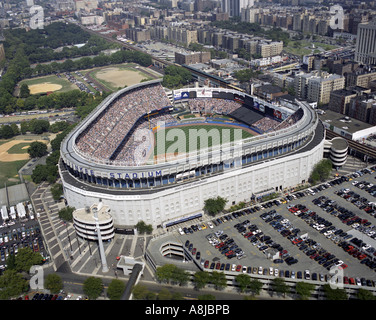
[343,266]
[238,268]
[206,264]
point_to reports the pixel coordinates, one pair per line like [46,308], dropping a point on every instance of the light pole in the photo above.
[100,243]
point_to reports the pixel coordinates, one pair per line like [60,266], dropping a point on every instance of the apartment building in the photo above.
[317,86]
[192,57]
[269,49]
[365,50]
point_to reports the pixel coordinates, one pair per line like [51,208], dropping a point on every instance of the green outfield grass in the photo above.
[194,137]
[41,82]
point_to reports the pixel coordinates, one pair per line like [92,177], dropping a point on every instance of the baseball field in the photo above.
[48,83]
[13,156]
[191,137]
[108,78]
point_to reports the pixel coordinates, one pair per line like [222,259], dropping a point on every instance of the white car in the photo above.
[260,270]
[210,225]
[181,231]
[338,263]
[276,272]
[271,271]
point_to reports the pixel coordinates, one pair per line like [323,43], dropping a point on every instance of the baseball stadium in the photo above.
[156,155]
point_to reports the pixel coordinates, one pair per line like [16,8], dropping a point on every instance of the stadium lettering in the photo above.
[133,175]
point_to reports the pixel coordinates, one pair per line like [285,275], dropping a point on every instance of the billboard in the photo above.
[204,93]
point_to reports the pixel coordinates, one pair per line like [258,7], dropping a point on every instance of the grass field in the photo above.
[117,76]
[13,156]
[9,172]
[189,138]
[48,83]
[303,47]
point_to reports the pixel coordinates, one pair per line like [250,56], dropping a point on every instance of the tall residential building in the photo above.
[248,14]
[365,51]
[234,7]
[316,87]
[269,49]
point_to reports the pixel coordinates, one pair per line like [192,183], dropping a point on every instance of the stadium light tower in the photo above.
[100,242]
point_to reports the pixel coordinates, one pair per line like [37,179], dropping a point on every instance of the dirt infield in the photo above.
[6,157]
[119,77]
[44,87]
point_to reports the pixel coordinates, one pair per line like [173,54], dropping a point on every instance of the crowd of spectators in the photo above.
[136,150]
[209,105]
[265,124]
[107,131]
[291,120]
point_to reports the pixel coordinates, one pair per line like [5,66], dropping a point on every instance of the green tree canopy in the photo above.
[37,149]
[214,205]
[115,289]
[93,287]
[53,283]
[321,171]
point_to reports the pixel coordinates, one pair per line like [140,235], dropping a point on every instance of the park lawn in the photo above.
[303,47]
[9,172]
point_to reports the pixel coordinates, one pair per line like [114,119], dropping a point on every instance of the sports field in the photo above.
[48,83]
[191,137]
[13,156]
[119,76]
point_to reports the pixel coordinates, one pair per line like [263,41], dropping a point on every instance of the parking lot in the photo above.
[301,236]
[17,233]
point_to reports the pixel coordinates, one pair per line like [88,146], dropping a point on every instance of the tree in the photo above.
[142,227]
[12,284]
[66,214]
[255,287]
[53,283]
[57,191]
[37,149]
[364,294]
[243,281]
[218,279]
[304,289]
[115,289]
[93,287]
[164,294]
[26,258]
[201,279]
[24,91]
[214,205]
[170,272]
[280,286]
[321,171]
[334,294]
[140,292]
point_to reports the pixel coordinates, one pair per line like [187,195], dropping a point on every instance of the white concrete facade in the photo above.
[187,199]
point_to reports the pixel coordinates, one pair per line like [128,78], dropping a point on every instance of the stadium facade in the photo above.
[167,191]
